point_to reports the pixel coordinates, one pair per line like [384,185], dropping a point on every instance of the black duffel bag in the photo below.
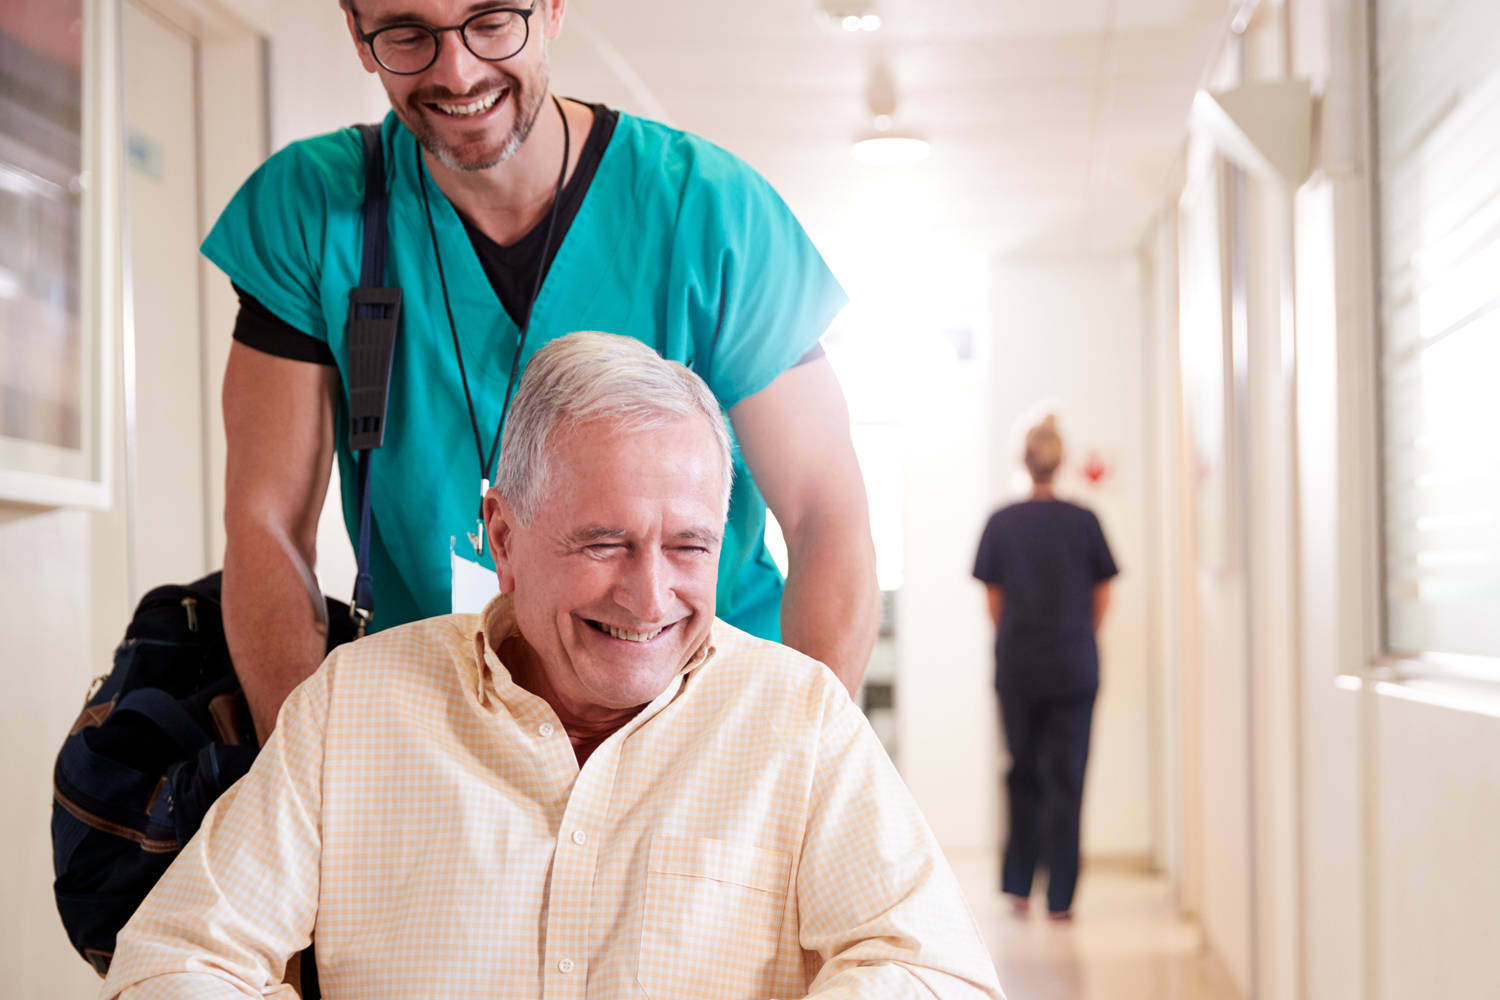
[160,737]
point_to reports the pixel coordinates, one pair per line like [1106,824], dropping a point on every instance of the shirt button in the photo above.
[579,837]
[545,729]
[566,965]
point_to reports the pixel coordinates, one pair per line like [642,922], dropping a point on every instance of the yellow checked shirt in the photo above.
[744,836]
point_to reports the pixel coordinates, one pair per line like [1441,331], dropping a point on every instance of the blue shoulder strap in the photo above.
[374,313]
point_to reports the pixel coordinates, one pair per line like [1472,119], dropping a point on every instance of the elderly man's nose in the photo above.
[645,589]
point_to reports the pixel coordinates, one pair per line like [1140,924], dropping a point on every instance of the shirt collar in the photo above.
[485,676]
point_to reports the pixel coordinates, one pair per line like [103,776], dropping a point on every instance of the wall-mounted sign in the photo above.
[145,155]
[1095,470]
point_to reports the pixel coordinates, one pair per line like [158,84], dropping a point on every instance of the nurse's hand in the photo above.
[795,437]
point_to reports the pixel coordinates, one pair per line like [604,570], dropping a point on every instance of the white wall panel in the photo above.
[1439,807]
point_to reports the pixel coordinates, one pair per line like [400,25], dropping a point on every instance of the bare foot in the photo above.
[1060,915]
[1019,905]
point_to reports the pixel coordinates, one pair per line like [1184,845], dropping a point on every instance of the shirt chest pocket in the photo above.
[713,919]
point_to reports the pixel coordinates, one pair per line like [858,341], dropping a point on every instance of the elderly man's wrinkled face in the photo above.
[613,579]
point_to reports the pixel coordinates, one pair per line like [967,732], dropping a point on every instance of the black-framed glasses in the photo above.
[492,35]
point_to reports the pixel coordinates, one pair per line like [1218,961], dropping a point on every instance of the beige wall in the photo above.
[315,81]
[46,610]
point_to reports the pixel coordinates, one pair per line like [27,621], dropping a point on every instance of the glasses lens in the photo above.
[495,34]
[404,48]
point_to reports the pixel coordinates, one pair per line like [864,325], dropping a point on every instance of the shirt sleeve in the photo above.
[987,563]
[776,295]
[242,897]
[256,326]
[272,238]
[880,912]
[1101,561]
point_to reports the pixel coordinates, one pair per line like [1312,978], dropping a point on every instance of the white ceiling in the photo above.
[1054,124]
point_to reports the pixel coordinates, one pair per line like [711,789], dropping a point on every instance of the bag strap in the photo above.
[167,714]
[374,314]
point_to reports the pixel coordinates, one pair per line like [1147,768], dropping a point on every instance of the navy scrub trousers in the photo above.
[1049,748]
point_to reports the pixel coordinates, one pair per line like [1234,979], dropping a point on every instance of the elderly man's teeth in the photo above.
[620,633]
[472,108]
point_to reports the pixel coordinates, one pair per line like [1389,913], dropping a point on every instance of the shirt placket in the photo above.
[581,835]
[570,890]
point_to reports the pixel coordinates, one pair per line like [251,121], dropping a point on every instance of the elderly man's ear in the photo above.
[499,525]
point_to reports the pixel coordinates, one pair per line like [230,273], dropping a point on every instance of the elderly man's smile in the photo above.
[628,635]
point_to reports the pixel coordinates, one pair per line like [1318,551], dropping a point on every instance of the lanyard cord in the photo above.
[487,461]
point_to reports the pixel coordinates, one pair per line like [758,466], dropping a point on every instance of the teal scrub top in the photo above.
[677,243]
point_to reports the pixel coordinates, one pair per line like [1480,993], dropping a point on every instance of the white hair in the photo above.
[595,376]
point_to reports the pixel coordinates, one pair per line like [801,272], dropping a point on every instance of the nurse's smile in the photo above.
[469,109]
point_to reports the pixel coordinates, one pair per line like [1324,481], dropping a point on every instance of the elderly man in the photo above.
[591,789]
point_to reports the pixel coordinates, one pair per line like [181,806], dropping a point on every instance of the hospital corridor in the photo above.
[1141,354]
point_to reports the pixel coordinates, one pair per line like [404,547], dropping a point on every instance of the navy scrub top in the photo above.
[1046,556]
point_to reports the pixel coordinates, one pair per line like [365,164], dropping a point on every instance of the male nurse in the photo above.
[515,217]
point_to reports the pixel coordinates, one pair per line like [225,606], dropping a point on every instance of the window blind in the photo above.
[1438,113]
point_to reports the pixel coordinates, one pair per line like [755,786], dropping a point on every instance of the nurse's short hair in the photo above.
[584,377]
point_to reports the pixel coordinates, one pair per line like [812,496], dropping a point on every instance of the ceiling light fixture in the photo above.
[885,147]
[853,16]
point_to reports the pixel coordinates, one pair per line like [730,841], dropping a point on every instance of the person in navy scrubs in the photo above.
[1046,567]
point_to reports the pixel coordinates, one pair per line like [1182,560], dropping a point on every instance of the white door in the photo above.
[168,504]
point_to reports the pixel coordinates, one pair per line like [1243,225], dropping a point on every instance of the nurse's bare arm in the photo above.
[1101,602]
[795,437]
[996,598]
[278,421]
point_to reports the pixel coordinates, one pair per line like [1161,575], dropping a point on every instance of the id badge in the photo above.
[473,584]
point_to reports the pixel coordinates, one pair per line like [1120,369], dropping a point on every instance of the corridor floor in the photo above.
[1125,943]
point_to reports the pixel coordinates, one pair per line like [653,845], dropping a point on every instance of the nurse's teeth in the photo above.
[620,633]
[472,108]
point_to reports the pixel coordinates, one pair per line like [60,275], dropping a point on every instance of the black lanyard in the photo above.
[487,459]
